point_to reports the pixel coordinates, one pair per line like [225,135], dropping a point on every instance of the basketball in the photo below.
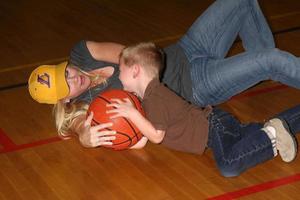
[127,134]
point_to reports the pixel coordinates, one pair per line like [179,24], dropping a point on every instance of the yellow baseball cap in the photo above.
[48,84]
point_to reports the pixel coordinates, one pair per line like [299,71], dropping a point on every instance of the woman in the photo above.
[196,67]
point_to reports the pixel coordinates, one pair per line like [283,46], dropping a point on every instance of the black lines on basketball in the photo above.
[132,101]
[129,123]
[95,121]
[127,134]
[108,101]
[123,134]
[124,118]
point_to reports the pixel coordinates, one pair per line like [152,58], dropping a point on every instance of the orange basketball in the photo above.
[127,134]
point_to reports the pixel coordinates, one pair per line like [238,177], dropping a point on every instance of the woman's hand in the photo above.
[94,136]
[121,108]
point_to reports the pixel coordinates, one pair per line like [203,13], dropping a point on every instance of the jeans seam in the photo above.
[254,16]
[231,15]
[248,153]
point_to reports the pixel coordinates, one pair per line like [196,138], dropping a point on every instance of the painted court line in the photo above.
[20,67]
[5,141]
[258,188]
[9,146]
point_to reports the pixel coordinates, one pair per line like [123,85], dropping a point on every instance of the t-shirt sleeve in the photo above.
[155,113]
[80,55]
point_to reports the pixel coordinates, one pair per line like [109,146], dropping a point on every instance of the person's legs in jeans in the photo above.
[237,147]
[219,80]
[292,118]
[214,32]
[208,41]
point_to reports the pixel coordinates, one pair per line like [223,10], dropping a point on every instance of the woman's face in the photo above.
[77,82]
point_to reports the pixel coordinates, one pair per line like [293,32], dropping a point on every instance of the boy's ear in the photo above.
[136,70]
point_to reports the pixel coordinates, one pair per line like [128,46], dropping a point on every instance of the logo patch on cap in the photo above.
[44,79]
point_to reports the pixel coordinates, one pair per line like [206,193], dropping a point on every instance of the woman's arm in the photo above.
[105,51]
[125,109]
[92,136]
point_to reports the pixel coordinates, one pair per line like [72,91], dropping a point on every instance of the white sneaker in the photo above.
[285,141]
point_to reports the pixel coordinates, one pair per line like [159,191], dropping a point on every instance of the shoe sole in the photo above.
[286,127]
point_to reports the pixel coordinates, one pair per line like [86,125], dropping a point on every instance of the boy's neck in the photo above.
[142,86]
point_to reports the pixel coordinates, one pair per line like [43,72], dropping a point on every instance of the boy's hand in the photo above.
[121,108]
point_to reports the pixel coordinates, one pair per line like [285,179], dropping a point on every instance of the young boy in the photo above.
[181,126]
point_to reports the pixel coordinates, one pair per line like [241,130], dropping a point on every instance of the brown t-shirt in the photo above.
[186,125]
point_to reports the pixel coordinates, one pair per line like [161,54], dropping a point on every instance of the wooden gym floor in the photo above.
[36,164]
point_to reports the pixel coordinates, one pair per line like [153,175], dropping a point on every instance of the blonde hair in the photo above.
[66,113]
[147,55]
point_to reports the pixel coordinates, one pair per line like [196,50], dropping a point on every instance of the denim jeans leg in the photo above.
[214,32]
[219,80]
[237,147]
[292,118]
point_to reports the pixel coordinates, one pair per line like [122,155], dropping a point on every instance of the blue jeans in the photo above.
[238,147]
[215,78]
[292,118]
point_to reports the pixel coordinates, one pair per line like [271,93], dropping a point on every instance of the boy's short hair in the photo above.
[146,54]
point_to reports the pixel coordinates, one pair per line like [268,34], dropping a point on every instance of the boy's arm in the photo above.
[146,127]
[140,144]
[125,109]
